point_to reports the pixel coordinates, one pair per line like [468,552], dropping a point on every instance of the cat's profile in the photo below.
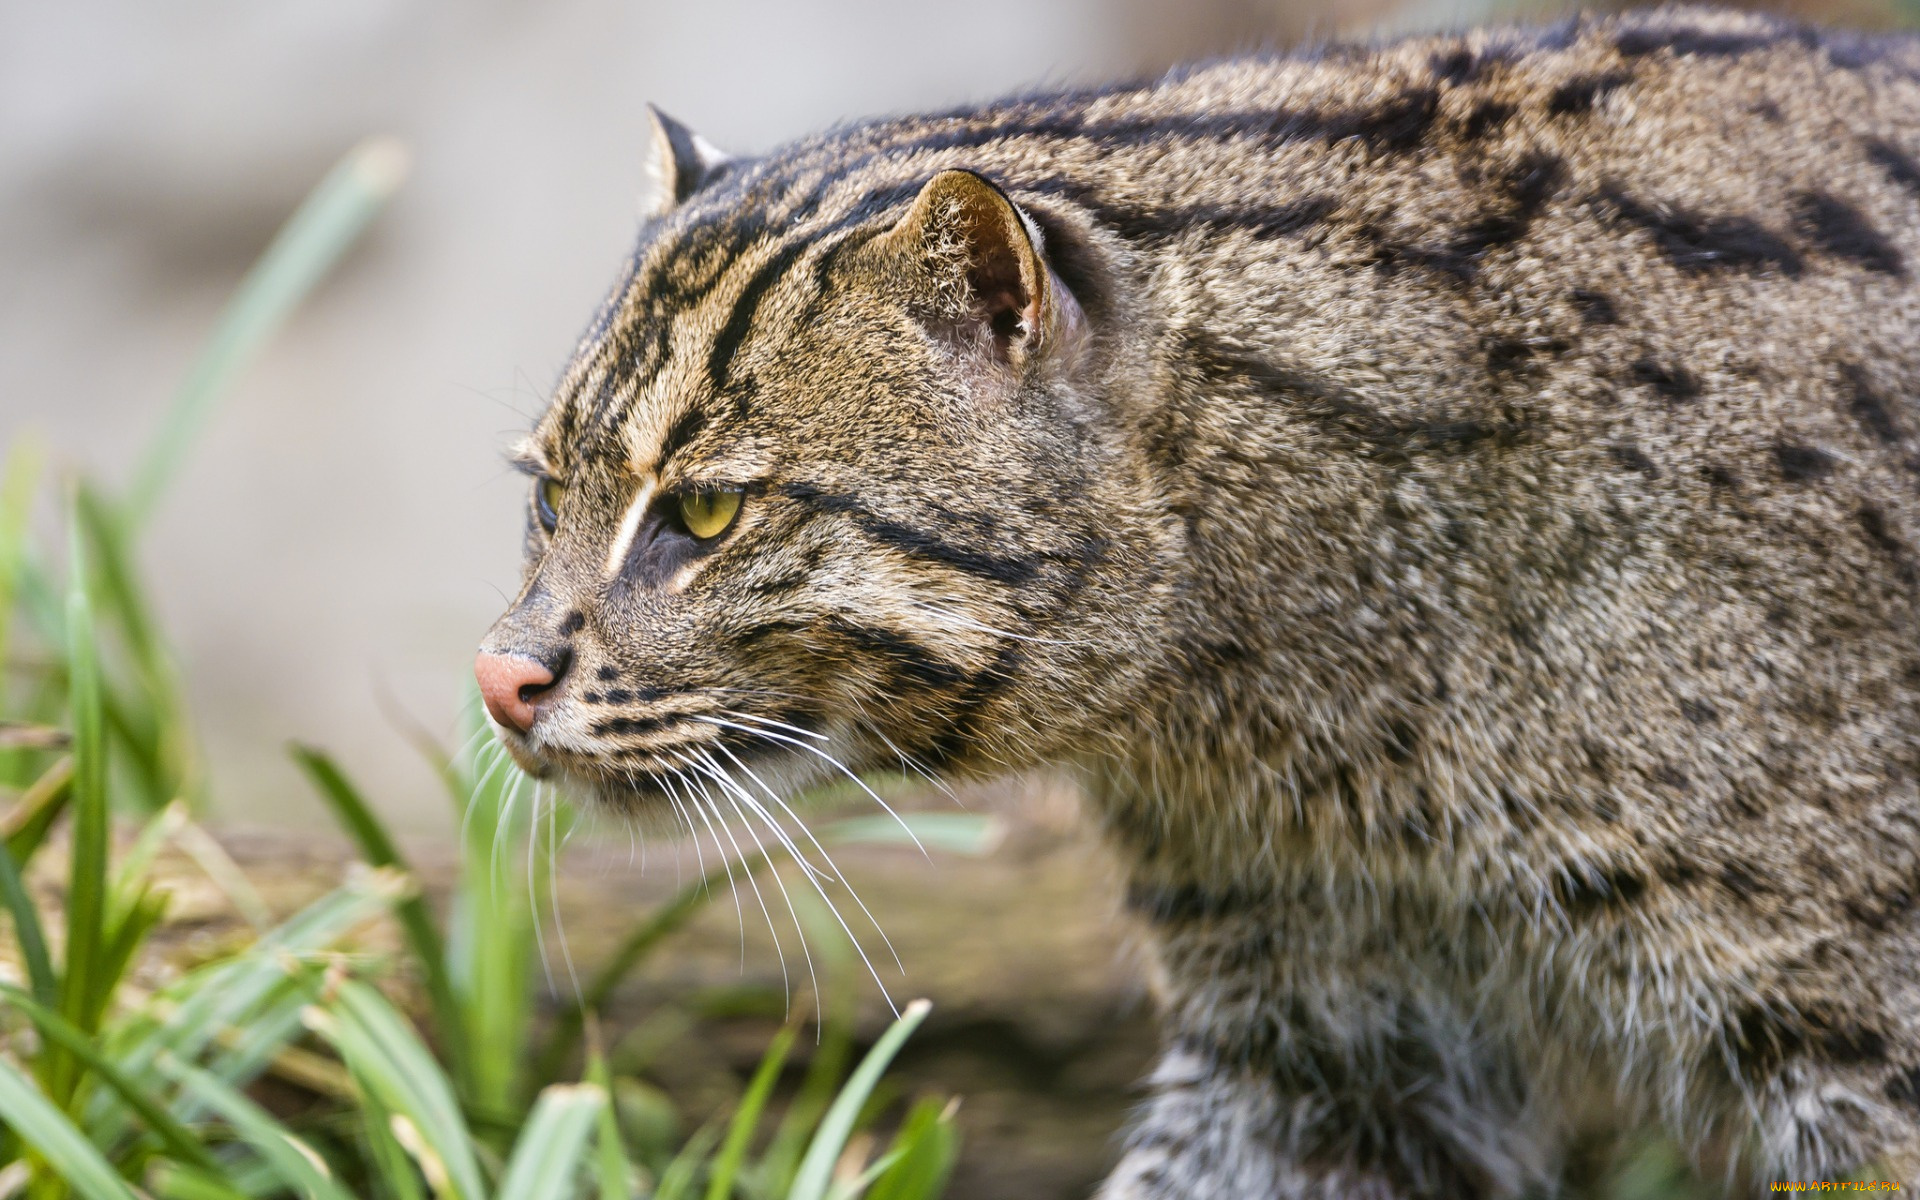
[1455,503]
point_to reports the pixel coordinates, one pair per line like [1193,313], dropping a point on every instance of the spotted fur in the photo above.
[1456,503]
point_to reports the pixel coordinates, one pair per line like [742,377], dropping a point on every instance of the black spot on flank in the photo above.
[1668,775]
[1868,406]
[591,698]
[1799,464]
[1768,111]
[1897,163]
[1401,740]
[1721,476]
[1188,903]
[1763,1036]
[1581,893]
[1847,1044]
[1526,190]
[619,696]
[573,623]
[1741,882]
[1674,383]
[1685,42]
[1580,94]
[1692,242]
[1904,1088]
[1842,231]
[1398,124]
[1698,711]
[1488,116]
[1596,308]
[1507,356]
[683,431]
[1457,66]
[1632,459]
[1873,523]
[608,674]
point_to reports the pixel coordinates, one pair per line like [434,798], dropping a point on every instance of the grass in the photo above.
[295,1065]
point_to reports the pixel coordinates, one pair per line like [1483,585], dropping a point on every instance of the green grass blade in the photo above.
[552,1147]
[185,1183]
[956,833]
[490,939]
[292,1161]
[306,247]
[17,489]
[84,988]
[923,1155]
[385,1054]
[676,1182]
[152,723]
[41,1125]
[28,931]
[38,808]
[611,1170]
[816,1169]
[175,1136]
[377,845]
[746,1117]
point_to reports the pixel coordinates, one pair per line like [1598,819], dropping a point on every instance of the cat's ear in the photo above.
[683,161]
[993,290]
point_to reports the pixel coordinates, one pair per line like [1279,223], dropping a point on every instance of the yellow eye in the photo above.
[707,514]
[547,497]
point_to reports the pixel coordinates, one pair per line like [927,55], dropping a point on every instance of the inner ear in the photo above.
[1001,265]
[991,286]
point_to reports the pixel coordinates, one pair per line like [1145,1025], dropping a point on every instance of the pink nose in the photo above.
[509,684]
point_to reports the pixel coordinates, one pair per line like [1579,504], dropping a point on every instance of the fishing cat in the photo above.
[1455,503]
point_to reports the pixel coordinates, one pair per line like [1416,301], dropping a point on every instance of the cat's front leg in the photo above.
[1212,1132]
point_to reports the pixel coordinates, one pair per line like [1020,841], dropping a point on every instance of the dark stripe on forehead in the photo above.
[746,307]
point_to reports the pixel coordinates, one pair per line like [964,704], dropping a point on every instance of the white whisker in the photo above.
[838,875]
[779,951]
[830,759]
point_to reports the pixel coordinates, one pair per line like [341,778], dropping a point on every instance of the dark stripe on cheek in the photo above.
[907,660]
[917,543]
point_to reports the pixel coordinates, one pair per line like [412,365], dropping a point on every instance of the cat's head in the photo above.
[830,483]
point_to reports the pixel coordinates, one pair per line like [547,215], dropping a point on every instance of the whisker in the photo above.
[759,720]
[779,951]
[533,893]
[848,930]
[720,775]
[838,876]
[726,864]
[828,758]
[553,893]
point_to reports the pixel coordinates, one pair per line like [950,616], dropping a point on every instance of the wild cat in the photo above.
[1452,502]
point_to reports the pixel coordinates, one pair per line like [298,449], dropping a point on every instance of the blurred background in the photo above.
[348,529]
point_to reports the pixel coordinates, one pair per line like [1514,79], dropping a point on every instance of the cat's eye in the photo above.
[708,513]
[547,495]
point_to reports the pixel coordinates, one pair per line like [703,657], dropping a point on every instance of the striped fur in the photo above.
[1456,504]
